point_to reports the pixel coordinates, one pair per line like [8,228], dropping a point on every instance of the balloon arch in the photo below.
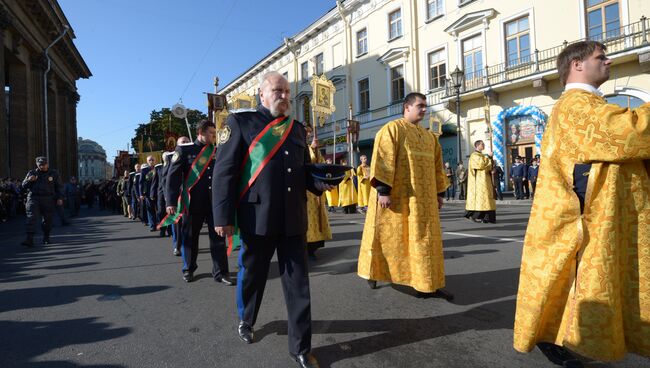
[498,129]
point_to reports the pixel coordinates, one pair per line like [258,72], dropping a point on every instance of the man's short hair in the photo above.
[203,126]
[411,98]
[575,51]
[478,143]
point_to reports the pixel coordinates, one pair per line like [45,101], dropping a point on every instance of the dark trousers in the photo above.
[451,191]
[191,227]
[519,187]
[150,209]
[254,261]
[533,184]
[177,239]
[497,190]
[39,207]
[526,192]
[463,190]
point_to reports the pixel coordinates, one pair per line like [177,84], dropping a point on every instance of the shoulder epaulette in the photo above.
[247,109]
[187,144]
[136,174]
[168,153]
[158,165]
[132,173]
[144,166]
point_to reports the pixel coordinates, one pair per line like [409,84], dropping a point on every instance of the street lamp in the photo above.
[457,79]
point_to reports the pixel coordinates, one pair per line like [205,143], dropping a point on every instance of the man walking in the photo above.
[409,183]
[43,193]
[260,184]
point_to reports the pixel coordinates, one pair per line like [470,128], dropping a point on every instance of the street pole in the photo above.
[460,156]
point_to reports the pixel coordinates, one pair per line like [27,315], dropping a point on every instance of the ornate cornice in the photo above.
[37,61]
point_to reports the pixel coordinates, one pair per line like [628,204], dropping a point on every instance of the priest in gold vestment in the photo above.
[584,285]
[402,240]
[363,174]
[318,225]
[332,196]
[480,205]
[347,191]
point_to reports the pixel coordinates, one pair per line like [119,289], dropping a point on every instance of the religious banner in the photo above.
[322,103]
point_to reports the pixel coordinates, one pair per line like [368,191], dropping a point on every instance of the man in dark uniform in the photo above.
[44,192]
[158,192]
[271,214]
[517,173]
[186,158]
[146,179]
[128,191]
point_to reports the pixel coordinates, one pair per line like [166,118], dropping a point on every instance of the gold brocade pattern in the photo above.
[318,225]
[585,279]
[403,244]
[347,192]
[480,195]
[364,185]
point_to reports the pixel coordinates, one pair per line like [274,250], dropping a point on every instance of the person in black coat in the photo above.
[200,209]
[271,215]
[43,193]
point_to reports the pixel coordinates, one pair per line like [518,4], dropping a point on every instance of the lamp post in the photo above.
[457,79]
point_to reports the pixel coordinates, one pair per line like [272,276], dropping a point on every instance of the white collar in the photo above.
[583,86]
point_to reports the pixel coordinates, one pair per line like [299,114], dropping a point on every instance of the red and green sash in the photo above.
[260,152]
[200,164]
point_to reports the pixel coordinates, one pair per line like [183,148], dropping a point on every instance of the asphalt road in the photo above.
[108,293]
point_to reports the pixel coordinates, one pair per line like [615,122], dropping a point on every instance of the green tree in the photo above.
[161,124]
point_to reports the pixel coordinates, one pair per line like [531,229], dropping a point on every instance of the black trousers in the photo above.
[191,228]
[254,261]
[519,187]
[524,184]
[39,207]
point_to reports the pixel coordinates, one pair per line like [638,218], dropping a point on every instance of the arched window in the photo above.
[628,97]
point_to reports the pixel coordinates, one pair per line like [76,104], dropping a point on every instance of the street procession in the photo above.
[336,183]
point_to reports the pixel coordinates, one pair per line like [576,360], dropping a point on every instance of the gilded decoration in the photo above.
[322,103]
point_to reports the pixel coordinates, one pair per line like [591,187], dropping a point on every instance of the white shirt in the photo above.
[585,87]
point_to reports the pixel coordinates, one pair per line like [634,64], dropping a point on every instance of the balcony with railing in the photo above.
[632,36]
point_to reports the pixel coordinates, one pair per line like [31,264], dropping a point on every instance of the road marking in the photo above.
[484,237]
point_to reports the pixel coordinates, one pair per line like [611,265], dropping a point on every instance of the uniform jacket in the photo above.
[155,182]
[46,184]
[517,170]
[276,203]
[180,165]
[146,178]
[128,186]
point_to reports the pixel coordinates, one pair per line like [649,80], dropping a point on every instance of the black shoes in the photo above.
[444,294]
[188,276]
[29,243]
[224,280]
[372,284]
[176,252]
[306,360]
[245,332]
[46,240]
[559,355]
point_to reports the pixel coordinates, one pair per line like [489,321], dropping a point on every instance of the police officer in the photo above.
[188,157]
[157,191]
[271,215]
[517,173]
[44,192]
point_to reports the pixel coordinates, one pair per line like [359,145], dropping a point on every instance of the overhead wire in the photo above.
[205,55]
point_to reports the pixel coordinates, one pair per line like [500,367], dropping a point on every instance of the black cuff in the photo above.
[382,189]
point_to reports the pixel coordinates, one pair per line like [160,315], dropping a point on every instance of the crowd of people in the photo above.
[583,284]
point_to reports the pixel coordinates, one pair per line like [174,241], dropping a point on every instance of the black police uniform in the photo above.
[41,197]
[199,211]
[130,192]
[158,196]
[517,173]
[271,215]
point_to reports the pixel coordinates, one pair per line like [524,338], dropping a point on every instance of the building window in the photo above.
[364,95]
[395,24]
[473,57]
[464,2]
[397,83]
[631,102]
[517,41]
[435,8]
[304,72]
[319,64]
[437,69]
[362,42]
[603,19]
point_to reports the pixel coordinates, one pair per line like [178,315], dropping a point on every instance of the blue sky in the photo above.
[143,54]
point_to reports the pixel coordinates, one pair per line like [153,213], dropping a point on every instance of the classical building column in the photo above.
[18,139]
[62,128]
[73,147]
[5,21]
[37,67]
[52,120]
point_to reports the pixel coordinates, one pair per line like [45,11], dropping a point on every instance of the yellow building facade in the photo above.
[377,51]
